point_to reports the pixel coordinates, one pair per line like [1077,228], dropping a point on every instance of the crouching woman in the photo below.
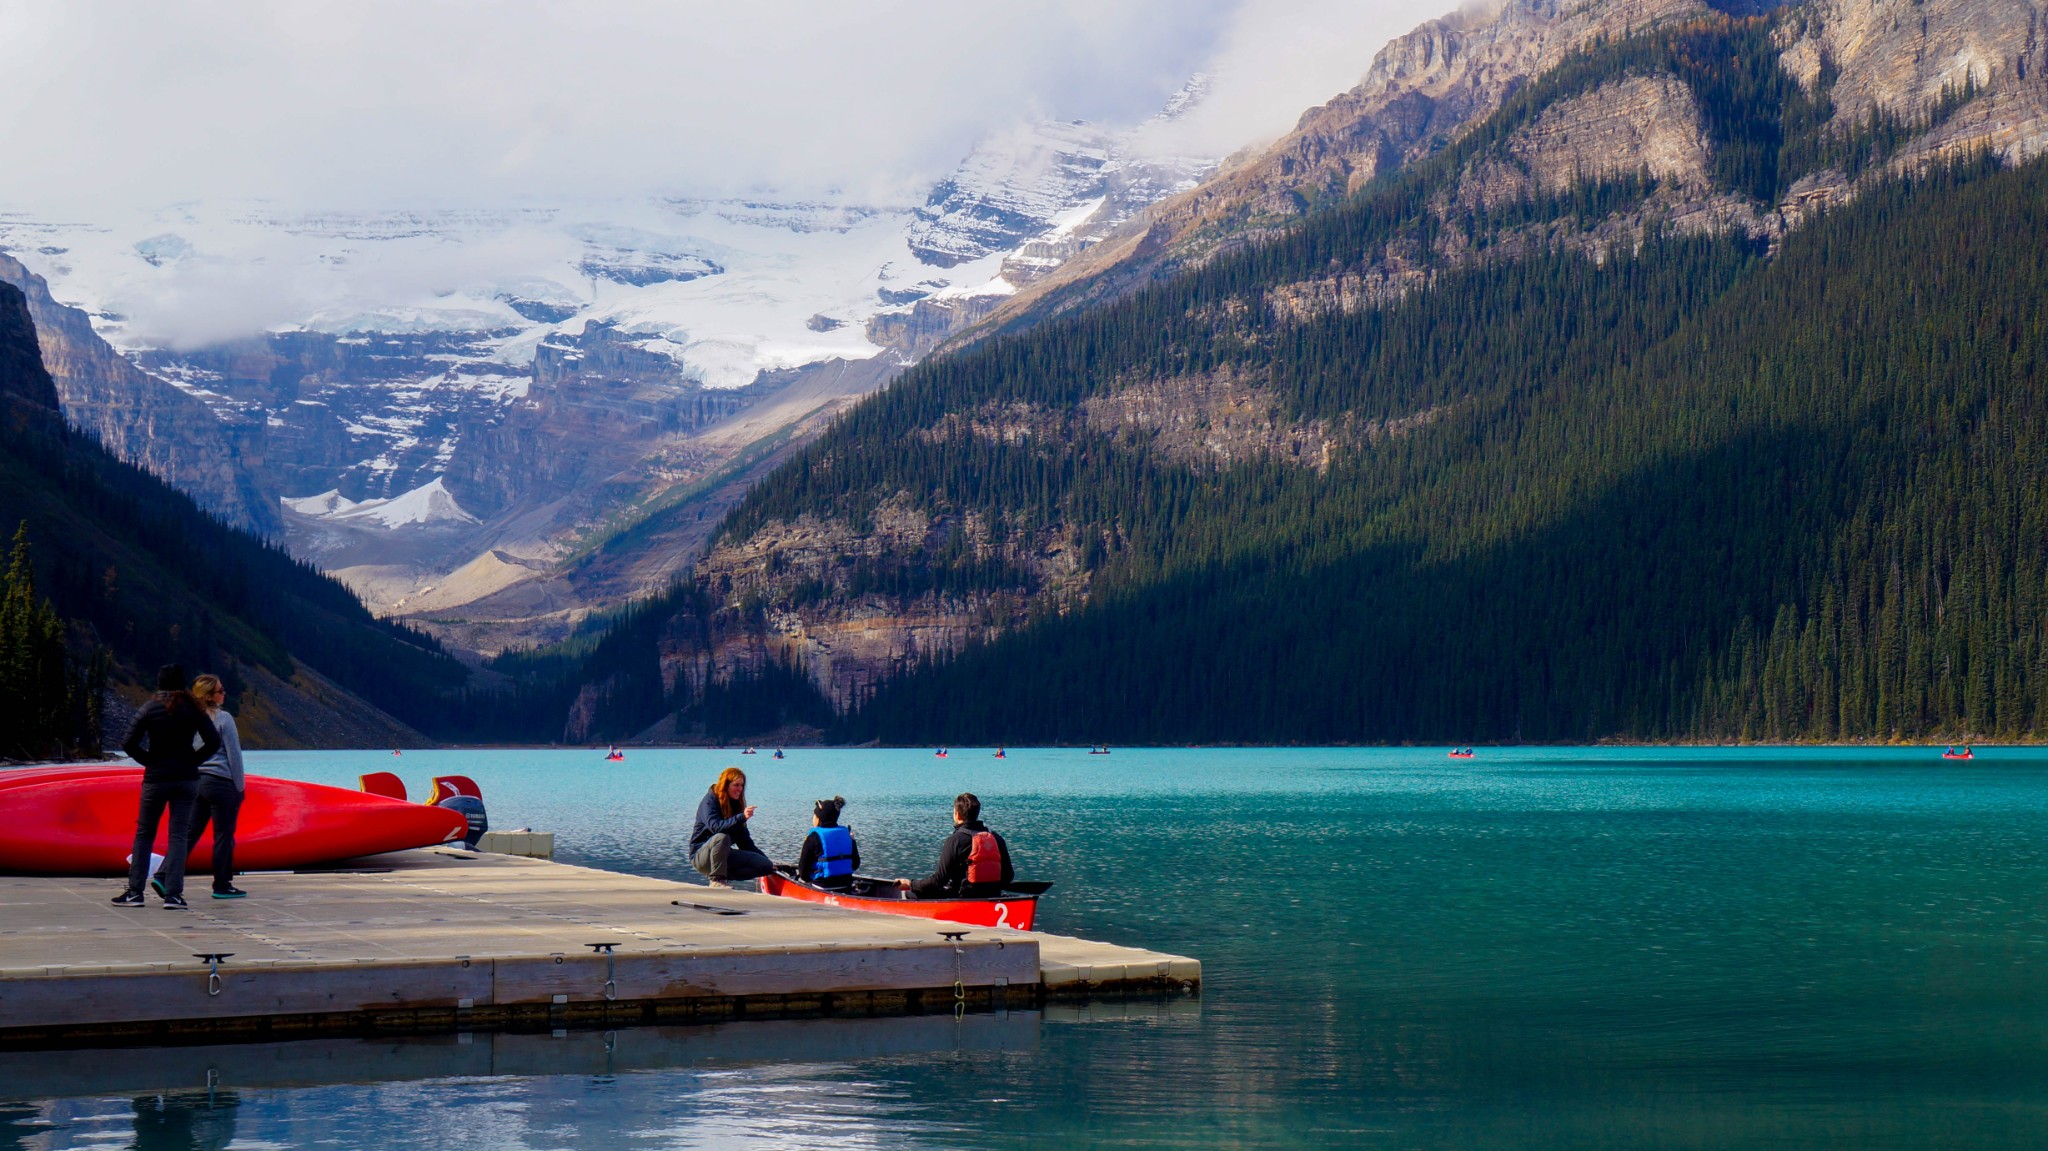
[720,845]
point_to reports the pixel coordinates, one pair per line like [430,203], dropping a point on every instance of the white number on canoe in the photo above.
[1002,915]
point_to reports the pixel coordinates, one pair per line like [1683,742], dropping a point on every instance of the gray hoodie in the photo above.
[226,762]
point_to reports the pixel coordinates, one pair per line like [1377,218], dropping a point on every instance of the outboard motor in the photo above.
[472,809]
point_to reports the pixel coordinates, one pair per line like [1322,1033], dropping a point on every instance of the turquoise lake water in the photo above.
[1549,948]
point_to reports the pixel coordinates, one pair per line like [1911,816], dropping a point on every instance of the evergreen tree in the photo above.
[42,709]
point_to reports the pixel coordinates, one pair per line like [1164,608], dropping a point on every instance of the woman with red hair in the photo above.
[720,845]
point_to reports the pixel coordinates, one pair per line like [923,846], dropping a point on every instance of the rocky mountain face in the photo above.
[597,402]
[1421,92]
[371,414]
[1893,58]
[1595,166]
[140,418]
[23,380]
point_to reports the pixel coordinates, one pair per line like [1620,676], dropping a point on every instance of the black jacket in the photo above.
[808,859]
[951,877]
[161,737]
[710,823]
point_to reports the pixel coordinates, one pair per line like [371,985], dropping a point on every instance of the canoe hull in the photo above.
[81,821]
[1017,911]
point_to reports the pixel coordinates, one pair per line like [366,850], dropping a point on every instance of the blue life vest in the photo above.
[835,853]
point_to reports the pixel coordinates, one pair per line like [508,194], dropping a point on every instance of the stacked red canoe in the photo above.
[80,820]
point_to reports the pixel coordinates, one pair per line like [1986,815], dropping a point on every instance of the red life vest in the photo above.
[985,859]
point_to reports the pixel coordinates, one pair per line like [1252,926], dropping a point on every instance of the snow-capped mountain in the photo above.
[349,355]
[1054,187]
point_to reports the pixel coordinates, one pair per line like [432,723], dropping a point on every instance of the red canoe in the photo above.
[81,821]
[1016,911]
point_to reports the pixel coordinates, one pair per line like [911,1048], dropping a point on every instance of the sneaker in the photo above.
[720,884]
[174,903]
[128,899]
[156,884]
[230,893]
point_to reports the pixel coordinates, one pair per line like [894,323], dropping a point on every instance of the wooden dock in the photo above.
[440,940]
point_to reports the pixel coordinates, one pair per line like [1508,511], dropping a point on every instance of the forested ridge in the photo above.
[1813,506]
[1689,490]
[1215,316]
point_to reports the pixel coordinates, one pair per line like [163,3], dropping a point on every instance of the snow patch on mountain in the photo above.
[429,503]
[1008,190]
[1039,194]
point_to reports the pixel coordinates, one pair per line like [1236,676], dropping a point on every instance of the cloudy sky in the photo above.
[363,103]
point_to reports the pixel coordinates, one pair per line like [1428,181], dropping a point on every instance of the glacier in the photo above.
[352,350]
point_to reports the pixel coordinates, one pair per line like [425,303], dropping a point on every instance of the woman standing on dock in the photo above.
[162,739]
[720,845]
[221,785]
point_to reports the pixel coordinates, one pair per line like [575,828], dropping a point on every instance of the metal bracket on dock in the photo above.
[213,959]
[959,982]
[611,986]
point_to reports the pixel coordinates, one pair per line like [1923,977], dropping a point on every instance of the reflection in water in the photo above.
[599,1054]
[188,1121]
[777,1080]
[202,1120]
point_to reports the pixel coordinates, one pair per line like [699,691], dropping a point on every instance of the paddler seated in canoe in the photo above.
[720,845]
[973,864]
[830,854]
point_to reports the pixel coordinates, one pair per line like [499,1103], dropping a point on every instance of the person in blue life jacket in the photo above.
[830,854]
[973,864]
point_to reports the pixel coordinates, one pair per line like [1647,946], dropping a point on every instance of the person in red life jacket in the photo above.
[830,854]
[720,845]
[973,864]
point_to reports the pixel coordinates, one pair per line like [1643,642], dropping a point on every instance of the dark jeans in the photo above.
[720,860]
[157,798]
[220,802]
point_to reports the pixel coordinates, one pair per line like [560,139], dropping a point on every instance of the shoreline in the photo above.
[117,761]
